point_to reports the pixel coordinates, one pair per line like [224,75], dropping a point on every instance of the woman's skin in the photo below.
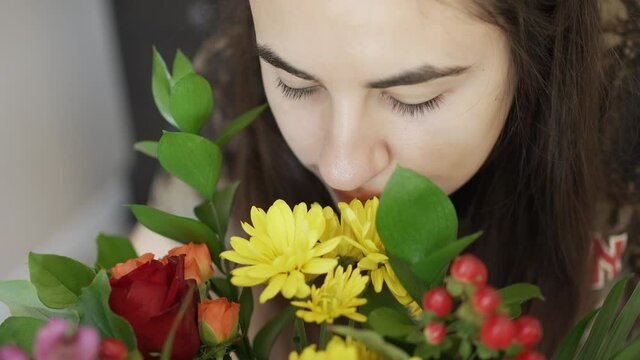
[357,63]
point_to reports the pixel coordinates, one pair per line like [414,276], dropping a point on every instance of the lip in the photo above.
[347,196]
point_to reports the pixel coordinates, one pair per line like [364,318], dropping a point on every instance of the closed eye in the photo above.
[411,110]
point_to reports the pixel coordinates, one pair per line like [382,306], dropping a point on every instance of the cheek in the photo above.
[451,147]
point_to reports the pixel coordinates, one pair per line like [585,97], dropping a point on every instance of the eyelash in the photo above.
[412,110]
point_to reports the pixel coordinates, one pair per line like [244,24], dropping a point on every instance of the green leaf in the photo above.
[207,213]
[191,103]
[192,159]
[623,326]
[415,217]
[149,148]
[161,86]
[267,336]
[432,268]
[389,322]
[378,300]
[602,322]
[373,341]
[631,352]
[224,201]
[93,307]
[519,293]
[21,298]
[181,66]
[113,250]
[415,286]
[239,124]
[20,331]
[569,344]
[216,213]
[58,279]
[223,288]
[184,305]
[178,228]
[246,309]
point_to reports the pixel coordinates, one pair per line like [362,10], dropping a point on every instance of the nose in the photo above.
[355,150]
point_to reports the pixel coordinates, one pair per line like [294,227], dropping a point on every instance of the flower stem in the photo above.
[324,336]
[301,335]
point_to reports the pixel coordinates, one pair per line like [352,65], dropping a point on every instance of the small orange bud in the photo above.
[197,262]
[218,320]
[128,266]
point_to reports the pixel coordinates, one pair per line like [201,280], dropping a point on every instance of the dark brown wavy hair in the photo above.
[535,195]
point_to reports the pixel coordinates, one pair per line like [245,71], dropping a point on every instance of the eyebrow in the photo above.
[420,75]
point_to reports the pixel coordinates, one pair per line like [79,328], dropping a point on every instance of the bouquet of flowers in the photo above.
[383,279]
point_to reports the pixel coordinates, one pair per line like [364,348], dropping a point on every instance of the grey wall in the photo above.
[64,143]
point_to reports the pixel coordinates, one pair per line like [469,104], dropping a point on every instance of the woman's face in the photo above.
[358,87]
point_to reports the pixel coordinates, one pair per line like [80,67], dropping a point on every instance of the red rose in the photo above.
[149,297]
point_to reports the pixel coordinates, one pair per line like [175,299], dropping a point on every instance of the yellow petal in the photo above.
[319,266]
[274,287]
[377,279]
[324,247]
[290,286]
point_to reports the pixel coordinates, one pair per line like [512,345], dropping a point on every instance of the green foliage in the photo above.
[373,341]
[192,159]
[515,295]
[569,345]
[94,310]
[246,309]
[239,124]
[161,87]
[191,103]
[21,298]
[58,279]
[418,227]
[433,267]
[609,333]
[181,229]
[149,148]
[267,336]
[113,250]
[20,331]
[181,66]
[390,322]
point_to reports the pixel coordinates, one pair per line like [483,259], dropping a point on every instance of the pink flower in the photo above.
[12,352]
[58,341]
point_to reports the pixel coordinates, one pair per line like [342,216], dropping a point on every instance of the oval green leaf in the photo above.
[415,217]
[161,86]
[192,159]
[113,250]
[20,331]
[191,103]
[58,279]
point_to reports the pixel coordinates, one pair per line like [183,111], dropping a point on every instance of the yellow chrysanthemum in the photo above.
[283,247]
[335,229]
[338,296]
[337,348]
[358,224]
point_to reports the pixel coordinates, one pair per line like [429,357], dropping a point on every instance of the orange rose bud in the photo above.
[197,262]
[128,266]
[218,320]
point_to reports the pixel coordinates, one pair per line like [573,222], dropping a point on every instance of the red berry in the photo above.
[530,355]
[486,300]
[435,332]
[528,331]
[469,269]
[438,301]
[112,349]
[497,332]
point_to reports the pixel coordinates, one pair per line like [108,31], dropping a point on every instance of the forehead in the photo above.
[370,36]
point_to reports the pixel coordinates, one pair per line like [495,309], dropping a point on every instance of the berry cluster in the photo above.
[479,318]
